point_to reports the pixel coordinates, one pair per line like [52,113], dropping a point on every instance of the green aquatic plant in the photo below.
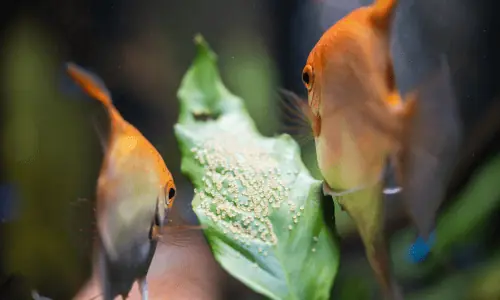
[260,205]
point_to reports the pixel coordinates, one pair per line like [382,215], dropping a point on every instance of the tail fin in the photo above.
[420,249]
[90,83]
[383,12]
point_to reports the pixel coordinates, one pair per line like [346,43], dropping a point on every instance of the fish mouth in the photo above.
[158,224]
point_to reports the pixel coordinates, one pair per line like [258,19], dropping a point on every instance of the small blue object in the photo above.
[419,251]
[9,205]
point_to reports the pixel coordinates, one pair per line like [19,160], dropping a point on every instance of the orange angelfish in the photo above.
[357,119]
[135,190]
[351,92]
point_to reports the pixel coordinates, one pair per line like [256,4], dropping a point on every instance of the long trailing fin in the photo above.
[173,235]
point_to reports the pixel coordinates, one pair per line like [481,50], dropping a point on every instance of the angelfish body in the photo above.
[134,192]
[350,82]
[357,119]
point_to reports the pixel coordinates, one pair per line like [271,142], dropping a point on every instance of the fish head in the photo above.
[349,63]
[165,202]
[350,83]
[311,78]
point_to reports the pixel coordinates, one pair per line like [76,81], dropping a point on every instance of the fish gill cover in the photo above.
[260,204]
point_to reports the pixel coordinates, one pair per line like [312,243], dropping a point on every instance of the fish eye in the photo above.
[307,76]
[171,193]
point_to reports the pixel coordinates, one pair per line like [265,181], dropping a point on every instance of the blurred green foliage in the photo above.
[46,157]
[253,76]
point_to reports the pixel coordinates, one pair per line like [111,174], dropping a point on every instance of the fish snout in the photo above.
[160,220]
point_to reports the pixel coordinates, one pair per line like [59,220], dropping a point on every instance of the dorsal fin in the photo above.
[95,87]
[383,12]
[90,83]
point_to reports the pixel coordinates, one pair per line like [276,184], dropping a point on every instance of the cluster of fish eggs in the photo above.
[242,185]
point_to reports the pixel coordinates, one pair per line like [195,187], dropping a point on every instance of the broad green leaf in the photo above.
[260,204]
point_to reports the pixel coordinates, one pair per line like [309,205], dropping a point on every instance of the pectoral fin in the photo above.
[100,135]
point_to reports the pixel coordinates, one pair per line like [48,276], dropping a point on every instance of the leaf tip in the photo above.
[203,47]
[199,39]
